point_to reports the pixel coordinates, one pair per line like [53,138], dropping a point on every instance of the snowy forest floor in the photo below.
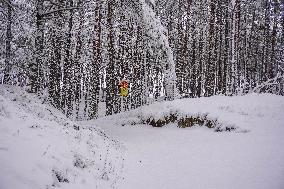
[252,156]
[41,148]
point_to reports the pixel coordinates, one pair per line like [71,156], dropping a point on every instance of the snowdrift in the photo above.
[222,113]
[196,157]
[41,148]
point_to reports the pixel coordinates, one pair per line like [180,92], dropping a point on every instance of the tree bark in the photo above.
[110,69]
[8,63]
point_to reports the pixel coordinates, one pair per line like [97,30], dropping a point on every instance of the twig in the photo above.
[46,150]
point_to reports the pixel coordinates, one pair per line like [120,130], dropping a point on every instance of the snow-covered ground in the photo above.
[41,148]
[197,157]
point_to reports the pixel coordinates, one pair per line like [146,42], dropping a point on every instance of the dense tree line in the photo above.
[79,51]
[225,47]
[74,53]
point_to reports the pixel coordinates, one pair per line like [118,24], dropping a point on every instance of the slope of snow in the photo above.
[198,157]
[41,148]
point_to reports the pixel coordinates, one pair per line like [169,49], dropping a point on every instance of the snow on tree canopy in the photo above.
[158,39]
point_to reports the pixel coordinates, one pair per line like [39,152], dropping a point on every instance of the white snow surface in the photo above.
[197,157]
[39,146]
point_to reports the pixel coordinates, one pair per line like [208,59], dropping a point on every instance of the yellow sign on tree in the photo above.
[123,88]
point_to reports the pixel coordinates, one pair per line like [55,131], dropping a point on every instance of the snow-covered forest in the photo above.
[64,121]
[75,52]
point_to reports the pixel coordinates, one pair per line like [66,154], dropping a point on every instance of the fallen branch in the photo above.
[269,83]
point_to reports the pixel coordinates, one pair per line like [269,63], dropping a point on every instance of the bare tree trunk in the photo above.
[55,75]
[179,58]
[77,91]
[226,52]
[68,66]
[95,77]
[271,72]
[110,70]
[7,77]
[199,91]
[210,76]
[36,73]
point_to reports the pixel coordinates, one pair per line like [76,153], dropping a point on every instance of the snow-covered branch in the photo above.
[282,69]
[269,84]
[54,3]
[59,10]
[9,4]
